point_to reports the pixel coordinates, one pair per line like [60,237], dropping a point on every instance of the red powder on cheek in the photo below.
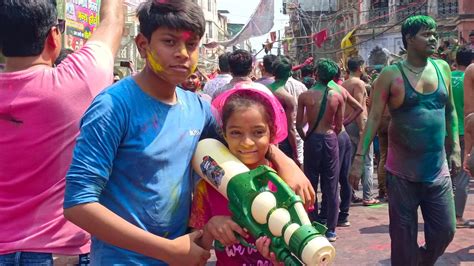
[399,80]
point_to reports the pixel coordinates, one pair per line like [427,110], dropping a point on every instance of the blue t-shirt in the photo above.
[133,156]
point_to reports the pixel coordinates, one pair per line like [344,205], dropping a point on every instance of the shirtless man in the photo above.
[356,87]
[418,94]
[282,72]
[468,119]
[321,151]
[469,144]
[461,180]
[345,156]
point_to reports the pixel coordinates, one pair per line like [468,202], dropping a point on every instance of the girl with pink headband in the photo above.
[251,119]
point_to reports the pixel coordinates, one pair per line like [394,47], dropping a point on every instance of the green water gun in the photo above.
[278,214]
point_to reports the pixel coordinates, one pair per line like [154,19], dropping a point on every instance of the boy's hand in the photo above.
[301,185]
[222,228]
[187,252]
[466,166]
[356,171]
[454,161]
[263,246]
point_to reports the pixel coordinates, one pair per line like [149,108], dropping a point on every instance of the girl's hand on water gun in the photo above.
[223,229]
[263,246]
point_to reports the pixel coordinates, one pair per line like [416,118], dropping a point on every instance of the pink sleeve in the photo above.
[200,209]
[90,69]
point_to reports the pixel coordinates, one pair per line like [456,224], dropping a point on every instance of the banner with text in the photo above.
[82,16]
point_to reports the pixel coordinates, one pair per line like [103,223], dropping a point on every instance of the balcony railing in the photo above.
[447,9]
[410,10]
[378,16]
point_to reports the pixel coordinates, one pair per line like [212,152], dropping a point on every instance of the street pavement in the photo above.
[367,240]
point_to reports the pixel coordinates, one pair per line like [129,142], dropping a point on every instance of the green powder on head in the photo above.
[414,24]
[326,69]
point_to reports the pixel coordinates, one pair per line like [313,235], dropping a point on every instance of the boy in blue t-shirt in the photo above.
[130,182]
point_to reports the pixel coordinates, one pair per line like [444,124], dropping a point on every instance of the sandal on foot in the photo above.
[465,224]
[370,202]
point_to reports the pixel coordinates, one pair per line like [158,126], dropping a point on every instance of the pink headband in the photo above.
[279,117]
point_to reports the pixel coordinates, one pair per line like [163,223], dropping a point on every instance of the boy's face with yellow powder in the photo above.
[171,54]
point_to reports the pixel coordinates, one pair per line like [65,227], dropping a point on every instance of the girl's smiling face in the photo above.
[248,135]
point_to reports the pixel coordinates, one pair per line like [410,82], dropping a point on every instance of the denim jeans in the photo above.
[367,178]
[461,186]
[34,259]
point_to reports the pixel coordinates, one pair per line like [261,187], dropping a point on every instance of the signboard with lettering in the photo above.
[82,16]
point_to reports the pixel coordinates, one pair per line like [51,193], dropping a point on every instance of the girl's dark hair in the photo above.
[24,26]
[176,15]
[244,99]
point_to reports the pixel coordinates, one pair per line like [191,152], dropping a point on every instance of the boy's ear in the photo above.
[408,38]
[142,44]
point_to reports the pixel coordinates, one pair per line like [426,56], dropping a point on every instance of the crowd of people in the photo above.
[96,170]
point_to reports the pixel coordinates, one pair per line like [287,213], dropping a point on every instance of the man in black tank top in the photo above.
[418,94]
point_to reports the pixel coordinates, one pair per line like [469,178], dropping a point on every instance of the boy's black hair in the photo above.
[24,26]
[176,15]
[224,62]
[354,63]
[307,70]
[464,57]
[414,24]
[240,63]
[268,61]
[281,68]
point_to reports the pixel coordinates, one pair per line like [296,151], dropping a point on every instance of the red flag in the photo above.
[273,36]
[320,37]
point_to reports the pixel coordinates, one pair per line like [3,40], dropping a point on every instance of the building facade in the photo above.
[307,17]
[378,23]
[387,15]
